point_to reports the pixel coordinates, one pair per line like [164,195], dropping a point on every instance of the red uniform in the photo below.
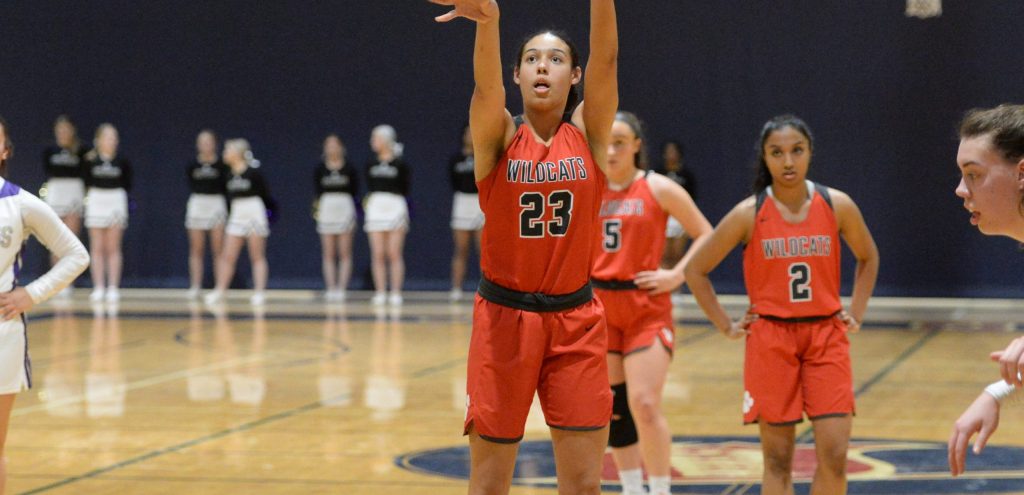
[632,239]
[541,204]
[797,353]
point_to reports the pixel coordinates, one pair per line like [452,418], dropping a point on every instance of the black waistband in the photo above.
[802,319]
[613,284]
[534,301]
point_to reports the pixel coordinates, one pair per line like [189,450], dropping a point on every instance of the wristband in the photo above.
[1000,390]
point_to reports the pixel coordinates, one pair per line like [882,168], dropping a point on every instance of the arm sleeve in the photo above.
[72,258]
[83,171]
[46,163]
[404,177]
[126,178]
[452,176]
[353,180]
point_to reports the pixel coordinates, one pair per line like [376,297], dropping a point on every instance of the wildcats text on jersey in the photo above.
[800,246]
[622,207]
[528,172]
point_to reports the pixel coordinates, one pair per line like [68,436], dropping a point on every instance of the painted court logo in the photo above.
[732,465]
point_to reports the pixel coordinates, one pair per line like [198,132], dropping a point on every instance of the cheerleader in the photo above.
[108,177]
[467,217]
[207,208]
[248,195]
[335,183]
[62,165]
[22,214]
[387,213]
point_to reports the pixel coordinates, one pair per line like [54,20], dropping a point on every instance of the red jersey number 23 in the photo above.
[535,204]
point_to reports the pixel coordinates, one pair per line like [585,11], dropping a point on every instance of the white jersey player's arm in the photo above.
[72,259]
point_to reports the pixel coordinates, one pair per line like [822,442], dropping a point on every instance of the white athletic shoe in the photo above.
[65,293]
[455,295]
[379,299]
[213,297]
[395,299]
[258,299]
[113,295]
[192,293]
[97,295]
[335,295]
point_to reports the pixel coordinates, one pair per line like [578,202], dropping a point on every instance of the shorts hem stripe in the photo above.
[781,423]
[830,415]
[501,440]
[576,428]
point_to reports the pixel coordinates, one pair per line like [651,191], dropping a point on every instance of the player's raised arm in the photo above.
[489,121]
[601,81]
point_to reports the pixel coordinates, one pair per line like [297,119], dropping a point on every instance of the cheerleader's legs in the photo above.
[98,258]
[395,248]
[225,266]
[378,254]
[112,242]
[329,266]
[258,260]
[344,260]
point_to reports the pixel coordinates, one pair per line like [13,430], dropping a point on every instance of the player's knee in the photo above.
[645,407]
[622,431]
[778,462]
[833,461]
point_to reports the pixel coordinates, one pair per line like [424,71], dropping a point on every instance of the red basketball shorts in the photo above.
[796,368]
[559,355]
[636,320]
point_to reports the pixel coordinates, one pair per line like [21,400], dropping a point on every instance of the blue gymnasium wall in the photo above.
[883,93]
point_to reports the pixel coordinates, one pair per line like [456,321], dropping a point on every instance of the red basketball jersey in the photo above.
[792,270]
[541,206]
[632,235]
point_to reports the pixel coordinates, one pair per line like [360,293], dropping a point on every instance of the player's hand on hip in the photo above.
[658,281]
[741,327]
[852,325]
[1011,361]
[982,417]
[475,10]
[15,302]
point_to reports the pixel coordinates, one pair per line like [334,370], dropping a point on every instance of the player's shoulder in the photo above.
[839,200]
[748,205]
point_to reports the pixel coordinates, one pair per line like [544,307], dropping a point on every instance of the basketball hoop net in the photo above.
[924,9]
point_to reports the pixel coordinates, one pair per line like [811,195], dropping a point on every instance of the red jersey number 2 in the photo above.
[535,204]
[799,282]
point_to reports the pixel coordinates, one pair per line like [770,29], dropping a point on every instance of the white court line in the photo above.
[146,382]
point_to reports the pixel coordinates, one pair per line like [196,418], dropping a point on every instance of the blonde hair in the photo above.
[387,132]
[242,145]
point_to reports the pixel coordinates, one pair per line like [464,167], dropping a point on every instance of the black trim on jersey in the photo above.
[535,302]
[761,198]
[519,120]
[823,191]
[802,319]
[613,284]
